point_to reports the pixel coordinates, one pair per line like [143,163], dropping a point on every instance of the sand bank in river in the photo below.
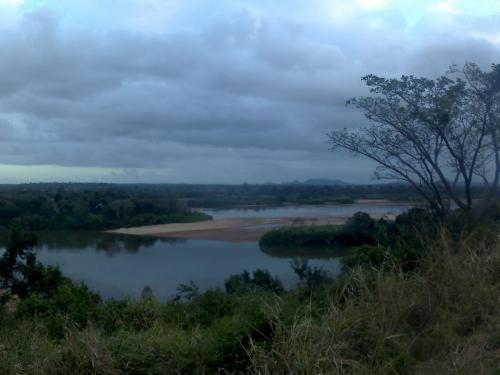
[233,230]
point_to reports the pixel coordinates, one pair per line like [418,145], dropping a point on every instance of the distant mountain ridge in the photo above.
[321,182]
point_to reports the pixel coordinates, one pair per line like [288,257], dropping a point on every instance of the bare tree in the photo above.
[441,135]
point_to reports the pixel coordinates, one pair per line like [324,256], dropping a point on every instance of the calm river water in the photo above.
[117,265]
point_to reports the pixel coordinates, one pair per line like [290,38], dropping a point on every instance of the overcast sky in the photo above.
[210,91]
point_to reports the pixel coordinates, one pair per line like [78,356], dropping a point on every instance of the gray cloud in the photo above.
[241,97]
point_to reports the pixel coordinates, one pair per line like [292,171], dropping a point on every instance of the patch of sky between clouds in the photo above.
[13,174]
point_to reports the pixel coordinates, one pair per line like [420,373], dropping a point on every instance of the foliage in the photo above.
[187,291]
[20,273]
[311,277]
[359,229]
[442,318]
[92,205]
[438,135]
[260,280]
[366,255]
[310,235]
[377,243]
[56,207]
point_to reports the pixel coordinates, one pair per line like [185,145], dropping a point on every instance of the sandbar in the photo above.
[231,230]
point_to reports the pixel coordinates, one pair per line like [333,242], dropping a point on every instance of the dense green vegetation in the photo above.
[402,234]
[364,240]
[360,229]
[380,316]
[174,197]
[93,206]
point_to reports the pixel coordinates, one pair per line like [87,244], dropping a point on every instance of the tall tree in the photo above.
[439,135]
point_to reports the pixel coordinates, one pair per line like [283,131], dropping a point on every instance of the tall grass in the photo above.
[443,319]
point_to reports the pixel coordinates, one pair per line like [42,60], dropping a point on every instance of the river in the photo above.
[118,265]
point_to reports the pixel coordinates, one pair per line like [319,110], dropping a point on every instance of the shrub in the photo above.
[261,280]
[309,235]
[312,277]
[187,291]
[71,303]
[366,255]
[206,307]
[135,315]
[361,227]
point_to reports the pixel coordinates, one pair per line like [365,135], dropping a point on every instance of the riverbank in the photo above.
[231,230]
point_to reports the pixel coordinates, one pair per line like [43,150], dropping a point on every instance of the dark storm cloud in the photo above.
[244,93]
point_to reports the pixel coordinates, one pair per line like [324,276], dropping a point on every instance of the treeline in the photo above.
[93,206]
[196,196]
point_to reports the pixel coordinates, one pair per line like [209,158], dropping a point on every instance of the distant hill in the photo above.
[321,182]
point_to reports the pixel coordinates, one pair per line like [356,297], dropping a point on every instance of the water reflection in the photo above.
[108,243]
[305,252]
